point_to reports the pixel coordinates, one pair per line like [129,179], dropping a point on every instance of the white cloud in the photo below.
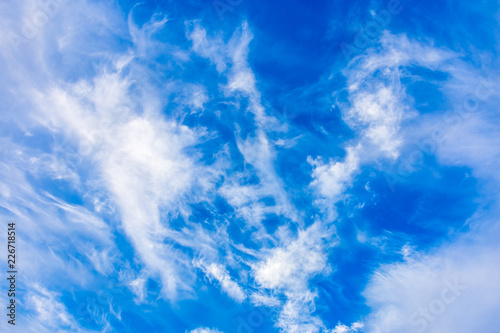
[136,157]
[231,59]
[376,110]
[139,157]
[261,299]
[296,314]
[290,267]
[45,219]
[213,49]
[467,134]
[287,271]
[127,150]
[221,275]
[333,178]
[378,114]
[145,45]
[205,330]
[49,314]
[451,288]
[138,287]
[341,328]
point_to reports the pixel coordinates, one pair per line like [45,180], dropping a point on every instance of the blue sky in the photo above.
[251,166]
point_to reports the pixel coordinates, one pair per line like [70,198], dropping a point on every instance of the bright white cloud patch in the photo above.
[341,328]
[204,330]
[220,274]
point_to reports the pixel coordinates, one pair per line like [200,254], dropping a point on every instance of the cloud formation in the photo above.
[169,172]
